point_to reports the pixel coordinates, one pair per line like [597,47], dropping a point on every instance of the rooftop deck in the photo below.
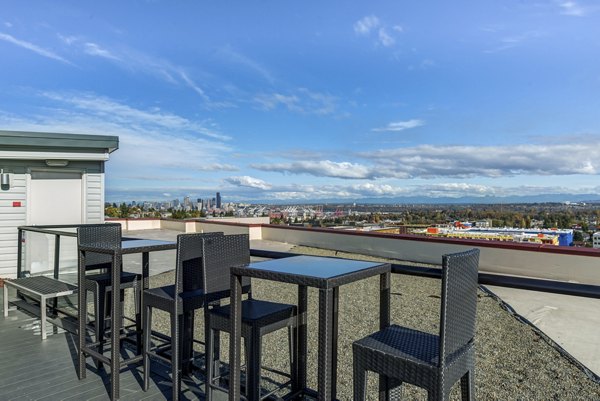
[514,360]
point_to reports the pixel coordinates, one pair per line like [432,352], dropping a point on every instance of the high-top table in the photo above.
[132,246]
[325,274]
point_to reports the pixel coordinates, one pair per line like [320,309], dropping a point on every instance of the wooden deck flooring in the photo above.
[32,369]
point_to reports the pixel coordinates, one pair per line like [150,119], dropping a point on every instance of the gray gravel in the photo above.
[513,361]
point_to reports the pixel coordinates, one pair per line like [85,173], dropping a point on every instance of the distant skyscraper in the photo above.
[218,200]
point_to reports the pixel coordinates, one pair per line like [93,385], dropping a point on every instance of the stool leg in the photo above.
[359,378]
[100,312]
[146,344]
[209,358]
[175,362]
[467,386]
[99,323]
[138,318]
[293,349]
[122,305]
[187,346]
[253,371]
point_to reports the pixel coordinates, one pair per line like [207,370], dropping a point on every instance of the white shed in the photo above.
[48,179]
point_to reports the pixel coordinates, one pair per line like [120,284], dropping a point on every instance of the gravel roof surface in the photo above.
[513,362]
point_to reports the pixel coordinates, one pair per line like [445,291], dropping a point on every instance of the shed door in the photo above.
[56,198]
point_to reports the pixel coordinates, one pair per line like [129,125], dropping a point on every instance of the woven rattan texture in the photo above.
[258,317]
[184,296]
[425,360]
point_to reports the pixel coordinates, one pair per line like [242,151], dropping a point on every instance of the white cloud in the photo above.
[130,116]
[135,61]
[234,56]
[323,168]
[68,40]
[250,188]
[193,85]
[572,8]
[371,189]
[301,101]
[247,181]
[400,125]
[32,47]
[270,101]
[95,50]
[150,141]
[428,161]
[366,24]
[385,39]
[217,167]
[443,161]
[371,26]
[510,42]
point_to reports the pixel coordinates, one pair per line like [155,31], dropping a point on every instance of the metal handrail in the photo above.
[43,229]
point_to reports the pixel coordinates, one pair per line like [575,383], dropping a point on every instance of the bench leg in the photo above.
[5,300]
[43,316]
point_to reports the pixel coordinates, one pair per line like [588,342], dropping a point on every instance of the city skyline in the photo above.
[311,102]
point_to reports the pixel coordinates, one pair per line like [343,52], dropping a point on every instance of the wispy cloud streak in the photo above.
[150,141]
[301,101]
[400,125]
[135,61]
[33,47]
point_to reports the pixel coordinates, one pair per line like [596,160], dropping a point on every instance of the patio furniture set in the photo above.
[213,267]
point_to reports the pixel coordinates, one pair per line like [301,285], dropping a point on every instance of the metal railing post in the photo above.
[56,255]
[56,266]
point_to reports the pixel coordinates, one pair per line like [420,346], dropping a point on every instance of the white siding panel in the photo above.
[95,198]
[11,218]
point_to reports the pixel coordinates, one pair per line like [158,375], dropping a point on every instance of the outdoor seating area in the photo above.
[509,358]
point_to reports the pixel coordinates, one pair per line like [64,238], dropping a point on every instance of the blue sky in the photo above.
[305,101]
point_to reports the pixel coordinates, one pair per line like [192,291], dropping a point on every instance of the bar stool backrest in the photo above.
[102,235]
[188,270]
[459,302]
[220,254]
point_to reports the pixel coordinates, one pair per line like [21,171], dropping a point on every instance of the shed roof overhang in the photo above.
[23,142]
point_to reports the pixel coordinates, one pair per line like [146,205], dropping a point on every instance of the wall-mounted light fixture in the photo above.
[4,180]
[56,163]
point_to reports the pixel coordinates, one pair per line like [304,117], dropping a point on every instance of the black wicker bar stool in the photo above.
[433,362]
[180,300]
[258,317]
[99,281]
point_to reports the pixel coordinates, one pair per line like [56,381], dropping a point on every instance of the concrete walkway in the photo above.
[572,322]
